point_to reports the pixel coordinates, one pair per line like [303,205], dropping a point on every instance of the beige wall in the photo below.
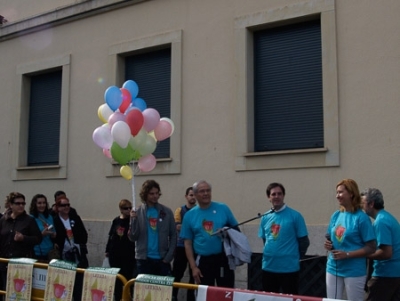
[367,107]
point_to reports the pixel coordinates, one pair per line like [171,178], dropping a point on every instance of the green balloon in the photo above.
[122,155]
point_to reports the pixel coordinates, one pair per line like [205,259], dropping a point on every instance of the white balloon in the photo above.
[121,133]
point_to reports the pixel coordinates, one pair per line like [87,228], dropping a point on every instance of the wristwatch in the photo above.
[347,254]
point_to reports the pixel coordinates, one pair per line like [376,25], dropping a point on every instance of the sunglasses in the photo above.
[126,208]
[64,205]
[19,203]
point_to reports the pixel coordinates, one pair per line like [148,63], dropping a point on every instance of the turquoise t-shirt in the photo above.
[387,230]
[349,232]
[152,233]
[46,245]
[199,224]
[281,250]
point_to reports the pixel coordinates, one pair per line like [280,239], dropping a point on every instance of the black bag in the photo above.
[54,254]
[73,255]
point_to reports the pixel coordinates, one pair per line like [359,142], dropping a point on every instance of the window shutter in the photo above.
[44,119]
[152,72]
[288,104]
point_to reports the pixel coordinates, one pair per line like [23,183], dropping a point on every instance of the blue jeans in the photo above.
[153,267]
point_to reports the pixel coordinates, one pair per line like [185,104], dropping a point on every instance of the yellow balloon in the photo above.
[104,112]
[126,172]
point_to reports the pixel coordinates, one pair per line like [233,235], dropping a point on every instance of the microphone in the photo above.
[328,237]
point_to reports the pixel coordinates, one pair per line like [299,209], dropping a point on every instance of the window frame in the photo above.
[117,53]
[23,73]
[246,158]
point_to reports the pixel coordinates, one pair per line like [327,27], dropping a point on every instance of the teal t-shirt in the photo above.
[349,232]
[281,231]
[152,234]
[46,245]
[199,224]
[387,230]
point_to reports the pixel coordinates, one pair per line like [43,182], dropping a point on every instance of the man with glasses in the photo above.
[204,251]
[153,229]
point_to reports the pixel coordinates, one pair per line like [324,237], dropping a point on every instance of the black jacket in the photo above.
[26,225]
[78,230]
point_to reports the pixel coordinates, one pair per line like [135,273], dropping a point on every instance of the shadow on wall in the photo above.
[312,275]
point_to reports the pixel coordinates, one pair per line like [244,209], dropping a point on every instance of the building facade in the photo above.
[299,92]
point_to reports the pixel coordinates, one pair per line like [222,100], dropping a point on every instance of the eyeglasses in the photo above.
[126,208]
[19,203]
[64,205]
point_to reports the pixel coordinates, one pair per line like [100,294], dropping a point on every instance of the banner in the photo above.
[99,283]
[153,288]
[60,281]
[212,293]
[19,279]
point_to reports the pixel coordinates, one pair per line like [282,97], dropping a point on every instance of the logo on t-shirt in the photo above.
[208,226]
[339,232]
[120,231]
[275,228]
[153,223]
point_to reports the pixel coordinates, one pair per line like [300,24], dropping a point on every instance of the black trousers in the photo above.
[178,270]
[215,269]
[287,283]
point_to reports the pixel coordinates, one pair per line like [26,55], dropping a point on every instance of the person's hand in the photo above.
[47,232]
[197,275]
[328,245]
[339,255]
[133,212]
[18,236]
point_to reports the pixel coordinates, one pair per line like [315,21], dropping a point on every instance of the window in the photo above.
[152,72]
[287,102]
[288,88]
[41,146]
[44,119]
[155,63]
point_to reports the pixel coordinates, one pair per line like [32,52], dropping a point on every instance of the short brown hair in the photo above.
[124,203]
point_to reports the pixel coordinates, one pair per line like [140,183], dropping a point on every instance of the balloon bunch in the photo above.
[130,130]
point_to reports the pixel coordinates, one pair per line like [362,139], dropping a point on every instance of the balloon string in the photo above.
[135,169]
[133,187]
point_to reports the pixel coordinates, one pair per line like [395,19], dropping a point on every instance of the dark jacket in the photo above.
[26,225]
[79,232]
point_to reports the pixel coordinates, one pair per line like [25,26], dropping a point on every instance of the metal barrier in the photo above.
[126,295]
[39,294]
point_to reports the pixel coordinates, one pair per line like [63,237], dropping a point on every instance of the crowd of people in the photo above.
[152,239]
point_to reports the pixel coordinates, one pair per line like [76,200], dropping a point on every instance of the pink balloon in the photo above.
[116,116]
[147,163]
[107,153]
[102,137]
[163,130]
[135,120]
[151,119]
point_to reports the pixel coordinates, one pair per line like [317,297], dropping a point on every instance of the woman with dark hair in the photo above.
[350,238]
[39,209]
[18,232]
[120,250]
